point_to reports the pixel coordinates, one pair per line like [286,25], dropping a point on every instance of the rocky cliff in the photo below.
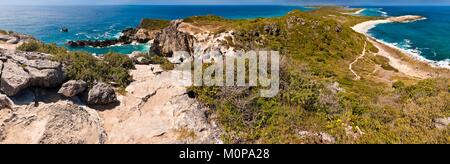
[187,38]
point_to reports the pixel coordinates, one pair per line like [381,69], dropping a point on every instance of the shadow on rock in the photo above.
[105,107]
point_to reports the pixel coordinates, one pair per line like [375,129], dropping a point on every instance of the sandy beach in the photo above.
[407,63]
[357,12]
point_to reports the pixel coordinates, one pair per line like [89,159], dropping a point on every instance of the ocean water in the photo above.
[429,39]
[106,22]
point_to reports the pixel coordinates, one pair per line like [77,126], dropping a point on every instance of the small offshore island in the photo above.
[338,85]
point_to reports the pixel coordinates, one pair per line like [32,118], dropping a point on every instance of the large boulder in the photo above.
[14,79]
[171,40]
[28,69]
[102,94]
[73,88]
[61,122]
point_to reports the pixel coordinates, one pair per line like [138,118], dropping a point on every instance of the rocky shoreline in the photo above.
[407,63]
[129,36]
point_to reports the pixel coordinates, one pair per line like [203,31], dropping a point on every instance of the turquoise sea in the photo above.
[106,22]
[428,39]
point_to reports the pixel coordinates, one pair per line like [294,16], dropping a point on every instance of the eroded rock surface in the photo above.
[154,111]
[20,70]
[171,40]
[101,94]
[73,88]
[61,122]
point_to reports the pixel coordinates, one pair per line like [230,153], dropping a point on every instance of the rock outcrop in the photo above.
[21,70]
[171,39]
[54,123]
[5,102]
[73,88]
[318,137]
[156,111]
[14,38]
[101,94]
[441,123]
[130,35]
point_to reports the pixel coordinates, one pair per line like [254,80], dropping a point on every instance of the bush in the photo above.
[113,68]
[118,60]
[154,24]
[3,32]
[167,65]
[31,46]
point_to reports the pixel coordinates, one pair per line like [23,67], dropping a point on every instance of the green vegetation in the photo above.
[154,24]
[156,59]
[383,62]
[113,68]
[3,32]
[317,92]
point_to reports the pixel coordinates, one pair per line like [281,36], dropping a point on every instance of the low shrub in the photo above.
[113,68]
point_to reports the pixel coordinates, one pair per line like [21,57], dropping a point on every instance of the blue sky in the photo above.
[211,2]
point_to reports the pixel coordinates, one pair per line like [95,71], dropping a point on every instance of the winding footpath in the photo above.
[350,66]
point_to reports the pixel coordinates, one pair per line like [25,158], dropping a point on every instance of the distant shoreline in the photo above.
[365,27]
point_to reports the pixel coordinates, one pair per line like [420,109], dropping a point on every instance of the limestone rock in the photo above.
[14,79]
[55,123]
[5,102]
[73,88]
[28,69]
[321,137]
[156,111]
[101,94]
[170,40]
[272,29]
[441,123]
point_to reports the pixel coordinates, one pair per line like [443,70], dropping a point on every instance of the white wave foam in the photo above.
[415,53]
[118,35]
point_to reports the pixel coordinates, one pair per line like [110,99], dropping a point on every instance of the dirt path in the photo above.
[350,66]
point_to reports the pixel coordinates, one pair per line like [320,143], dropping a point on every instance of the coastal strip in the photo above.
[406,62]
[357,12]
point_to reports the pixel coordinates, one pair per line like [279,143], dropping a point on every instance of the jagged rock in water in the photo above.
[128,36]
[101,94]
[170,40]
[73,88]
[21,70]
[55,123]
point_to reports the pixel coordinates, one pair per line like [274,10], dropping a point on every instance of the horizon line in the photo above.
[303,5]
